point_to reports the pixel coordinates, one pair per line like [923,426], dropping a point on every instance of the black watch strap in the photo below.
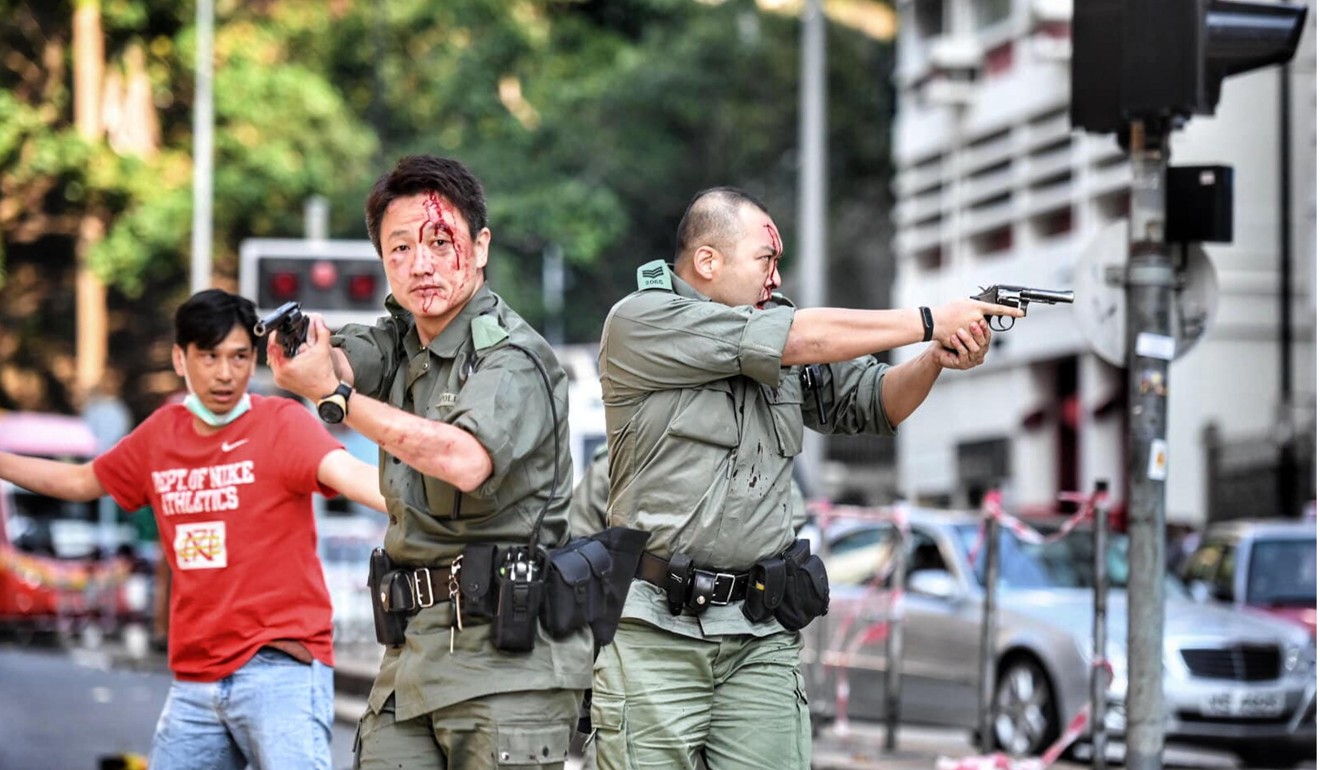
[334,407]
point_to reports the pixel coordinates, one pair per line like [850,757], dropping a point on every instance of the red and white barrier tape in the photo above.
[1000,761]
[992,506]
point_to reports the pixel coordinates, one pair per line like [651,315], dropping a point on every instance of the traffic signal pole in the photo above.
[1150,349]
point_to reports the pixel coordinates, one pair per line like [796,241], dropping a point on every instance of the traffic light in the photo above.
[1158,60]
[342,280]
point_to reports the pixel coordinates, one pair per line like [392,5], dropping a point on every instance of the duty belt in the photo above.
[728,587]
[427,586]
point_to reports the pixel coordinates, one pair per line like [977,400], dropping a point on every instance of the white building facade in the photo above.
[993,186]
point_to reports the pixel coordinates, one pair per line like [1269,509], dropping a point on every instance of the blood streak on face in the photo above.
[439,216]
[775,243]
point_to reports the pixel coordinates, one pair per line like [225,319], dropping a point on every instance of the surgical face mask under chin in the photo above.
[194,404]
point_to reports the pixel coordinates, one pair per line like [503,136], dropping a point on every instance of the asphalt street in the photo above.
[68,708]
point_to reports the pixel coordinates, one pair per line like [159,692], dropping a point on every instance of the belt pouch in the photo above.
[765,589]
[390,626]
[520,585]
[806,588]
[568,588]
[476,578]
[703,589]
[678,579]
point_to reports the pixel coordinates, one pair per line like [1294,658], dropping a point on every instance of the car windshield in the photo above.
[1062,563]
[1282,574]
[50,527]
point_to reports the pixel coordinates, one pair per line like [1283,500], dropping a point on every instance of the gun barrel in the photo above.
[1048,296]
[275,318]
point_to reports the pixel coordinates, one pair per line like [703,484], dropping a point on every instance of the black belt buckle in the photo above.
[722,593]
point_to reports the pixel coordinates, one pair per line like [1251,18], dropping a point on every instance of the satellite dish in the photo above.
[1101,307]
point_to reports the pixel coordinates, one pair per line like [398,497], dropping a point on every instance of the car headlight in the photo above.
[1299,658]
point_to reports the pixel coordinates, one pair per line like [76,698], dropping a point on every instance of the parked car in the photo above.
[1257,564]
[1233,680]
[344,543]
[53,574]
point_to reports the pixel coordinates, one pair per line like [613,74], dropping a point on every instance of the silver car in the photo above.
[1232,680]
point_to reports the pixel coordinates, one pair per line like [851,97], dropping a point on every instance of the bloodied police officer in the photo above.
[456,389]
[702,371]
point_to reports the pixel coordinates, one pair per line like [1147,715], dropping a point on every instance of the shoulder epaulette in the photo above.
[487,332]
[654,275]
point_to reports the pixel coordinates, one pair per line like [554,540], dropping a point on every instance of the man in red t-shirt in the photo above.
[230,477]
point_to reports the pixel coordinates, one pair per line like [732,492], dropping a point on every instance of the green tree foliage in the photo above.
[592,122]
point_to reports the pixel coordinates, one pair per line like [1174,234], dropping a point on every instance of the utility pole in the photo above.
[809,288]
[1140,68]
[1150,346]
[88,75]
[203,147]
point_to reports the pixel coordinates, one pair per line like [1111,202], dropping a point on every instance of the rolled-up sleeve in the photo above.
[661,341]
[371,351]
[505,406]
[856,389]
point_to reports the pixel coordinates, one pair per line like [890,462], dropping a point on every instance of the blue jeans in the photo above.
[272,713]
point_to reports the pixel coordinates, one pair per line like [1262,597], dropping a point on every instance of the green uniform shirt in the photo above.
[473,377]
[703,424]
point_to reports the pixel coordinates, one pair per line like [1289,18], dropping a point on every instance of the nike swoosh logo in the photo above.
[225,446]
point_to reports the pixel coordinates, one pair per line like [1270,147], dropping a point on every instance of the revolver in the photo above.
[288,320]
[1018,296]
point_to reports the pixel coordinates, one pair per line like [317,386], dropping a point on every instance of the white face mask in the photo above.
[194,404]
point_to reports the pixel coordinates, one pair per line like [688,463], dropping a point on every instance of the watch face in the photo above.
[330,411]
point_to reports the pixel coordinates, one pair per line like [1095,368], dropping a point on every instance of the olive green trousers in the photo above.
[661,700]
[506,730]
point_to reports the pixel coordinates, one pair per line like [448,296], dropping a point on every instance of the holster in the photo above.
[625,547]
[387,592]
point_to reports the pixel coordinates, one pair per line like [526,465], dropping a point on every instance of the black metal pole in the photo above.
[1287,461]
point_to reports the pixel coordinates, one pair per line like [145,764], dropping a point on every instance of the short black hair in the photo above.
[415,174]
[208,316]
[712,219]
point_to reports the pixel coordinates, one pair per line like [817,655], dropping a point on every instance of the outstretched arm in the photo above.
[352,478]
[434,448]
[829,335]
[66,481]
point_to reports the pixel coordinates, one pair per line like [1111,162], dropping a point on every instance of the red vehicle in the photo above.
[53,575]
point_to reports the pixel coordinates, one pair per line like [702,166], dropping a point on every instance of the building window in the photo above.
[991,12]
[995,241]
[930,17]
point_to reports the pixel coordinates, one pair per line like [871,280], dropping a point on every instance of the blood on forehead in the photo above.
[775,244]
[436,210]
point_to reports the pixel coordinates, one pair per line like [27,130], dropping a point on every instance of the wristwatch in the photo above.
[334,407]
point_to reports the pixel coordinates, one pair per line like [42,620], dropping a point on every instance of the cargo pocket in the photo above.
[609,727]
[531,744]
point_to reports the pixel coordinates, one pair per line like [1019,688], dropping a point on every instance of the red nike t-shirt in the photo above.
[236,524]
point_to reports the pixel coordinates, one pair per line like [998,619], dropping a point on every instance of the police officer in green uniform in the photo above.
[586,511]
[455,388]
[702,371]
